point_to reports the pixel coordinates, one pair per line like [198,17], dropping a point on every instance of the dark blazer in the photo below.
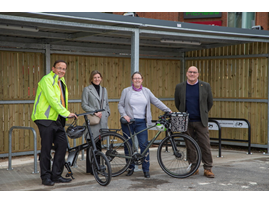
[206,99]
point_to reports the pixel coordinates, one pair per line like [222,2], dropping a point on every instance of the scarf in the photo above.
[137,89]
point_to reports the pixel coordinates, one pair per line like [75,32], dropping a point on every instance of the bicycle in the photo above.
[100,164]
[178,154]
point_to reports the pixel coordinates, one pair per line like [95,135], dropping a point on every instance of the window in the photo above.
[241,19]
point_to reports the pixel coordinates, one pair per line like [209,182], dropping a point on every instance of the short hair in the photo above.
[137,72]
[94,72]
[59,61]
[194,67]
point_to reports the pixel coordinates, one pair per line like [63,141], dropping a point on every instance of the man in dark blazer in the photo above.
[195,97]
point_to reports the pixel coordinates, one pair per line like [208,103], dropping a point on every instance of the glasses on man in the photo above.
[194,72]
[62,69]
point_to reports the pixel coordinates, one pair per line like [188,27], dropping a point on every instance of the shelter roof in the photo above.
[111,35]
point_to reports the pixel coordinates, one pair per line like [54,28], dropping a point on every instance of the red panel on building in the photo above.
[216,23]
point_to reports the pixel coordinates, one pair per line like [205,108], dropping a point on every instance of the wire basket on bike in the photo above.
[179,121]
[74,131]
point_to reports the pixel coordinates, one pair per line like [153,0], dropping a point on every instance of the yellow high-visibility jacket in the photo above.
[47,104]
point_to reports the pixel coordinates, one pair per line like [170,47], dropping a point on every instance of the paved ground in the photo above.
[235,171]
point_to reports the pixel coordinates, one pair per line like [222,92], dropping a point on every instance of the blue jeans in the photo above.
[137,126]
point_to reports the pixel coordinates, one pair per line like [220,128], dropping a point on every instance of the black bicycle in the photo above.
[100,164]
[178,154]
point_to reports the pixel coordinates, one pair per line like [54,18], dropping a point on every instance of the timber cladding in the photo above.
[230,78]
[24,70]
[244,77]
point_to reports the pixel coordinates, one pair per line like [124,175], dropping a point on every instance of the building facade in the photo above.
[257,20]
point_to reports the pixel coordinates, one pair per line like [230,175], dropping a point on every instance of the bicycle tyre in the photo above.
[112,145]
[185,161]
[104,175]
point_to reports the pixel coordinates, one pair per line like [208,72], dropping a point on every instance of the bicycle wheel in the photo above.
[104,175]
[182,162]
[113,145]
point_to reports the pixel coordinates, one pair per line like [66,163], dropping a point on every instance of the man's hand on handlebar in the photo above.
[72,115]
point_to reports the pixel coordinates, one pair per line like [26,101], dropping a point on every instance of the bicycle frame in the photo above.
[132,137]
[73,152]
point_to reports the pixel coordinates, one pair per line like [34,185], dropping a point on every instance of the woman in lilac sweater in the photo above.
[135,103]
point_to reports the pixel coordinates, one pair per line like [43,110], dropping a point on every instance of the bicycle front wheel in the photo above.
[103,173]
[116,149]
[179,155]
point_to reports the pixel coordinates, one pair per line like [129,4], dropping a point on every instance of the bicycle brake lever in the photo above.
[99,110]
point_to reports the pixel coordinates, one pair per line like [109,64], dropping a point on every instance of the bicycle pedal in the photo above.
[70,174]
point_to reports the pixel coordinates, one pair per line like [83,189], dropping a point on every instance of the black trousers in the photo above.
[52,132]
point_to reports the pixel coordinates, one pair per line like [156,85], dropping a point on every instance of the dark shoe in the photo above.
[146,174]
[47,182]
[62,180]
[130,172]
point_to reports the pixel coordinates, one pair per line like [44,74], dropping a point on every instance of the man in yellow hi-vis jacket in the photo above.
[49,113]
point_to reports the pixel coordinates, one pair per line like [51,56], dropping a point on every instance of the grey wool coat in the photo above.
[91,102]
[205,96]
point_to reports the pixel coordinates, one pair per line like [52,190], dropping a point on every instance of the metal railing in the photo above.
[10,147]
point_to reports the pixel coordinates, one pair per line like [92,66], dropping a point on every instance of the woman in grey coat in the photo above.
[135,102]
[91,101]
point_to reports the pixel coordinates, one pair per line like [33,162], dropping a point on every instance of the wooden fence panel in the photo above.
[240,78]
[234,78]
[22,71]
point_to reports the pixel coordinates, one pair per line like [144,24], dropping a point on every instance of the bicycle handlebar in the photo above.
[90,112]
[165,115]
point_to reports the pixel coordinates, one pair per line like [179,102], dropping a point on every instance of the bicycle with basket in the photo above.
[178,154]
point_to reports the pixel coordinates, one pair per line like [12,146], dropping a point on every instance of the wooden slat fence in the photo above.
[234,78]
[238,78]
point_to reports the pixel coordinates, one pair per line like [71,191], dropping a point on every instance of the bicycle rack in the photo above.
[10,147]
[219,124]
[219,136]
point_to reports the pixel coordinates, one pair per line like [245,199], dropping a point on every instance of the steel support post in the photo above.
[183,67]
[135,40]
[135,45]
[48,58]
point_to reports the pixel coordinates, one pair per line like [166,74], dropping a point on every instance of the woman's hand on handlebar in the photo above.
[98,114]
[127,118]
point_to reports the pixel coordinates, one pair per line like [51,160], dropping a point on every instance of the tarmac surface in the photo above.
[235,171]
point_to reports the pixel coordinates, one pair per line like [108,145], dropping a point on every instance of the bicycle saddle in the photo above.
[124,121]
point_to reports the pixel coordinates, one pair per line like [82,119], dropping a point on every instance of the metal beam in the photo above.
[64,24]
[242,100]
[232,38]
[117,100]
[229,57]
[38,34]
